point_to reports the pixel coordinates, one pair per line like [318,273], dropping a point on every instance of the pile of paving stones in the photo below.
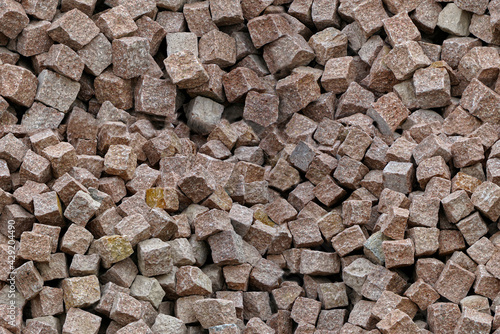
[249,166]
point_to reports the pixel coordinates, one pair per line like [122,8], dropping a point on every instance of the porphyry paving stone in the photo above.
[250,167]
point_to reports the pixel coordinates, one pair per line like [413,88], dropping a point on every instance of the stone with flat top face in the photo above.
[400,28]
[267,28]
[81,208]
[425,239]
[481,251]
[396,322]
[486,198]
[74,29]
[227,248]
[62,158]
[300,53]
[473,321]
[185,70]
[422,294]
[454,282]
[388,112]
[112,249]
[198,18]
[76,240]
[192,281]
[480,63]
[399,176]
[339,73]
[135,327]
[214,312]
[348,240]
[356,212]
[86,6]
[81,291]
[182,41]
[112,88]
[116,23]
[17,85]
[155,96]
[296,91]
[216,47]
[333,295]
[63,60]
[454,20]
[457,206]
[48,302]
[398,253]
[96,55]
[84,265]
[382,279]
[370,15]
[14,18]
[47,208]
[79,321]
[56,90]
[130,57]
[432,87]
[120,160]
[261,108]
[35,247]
[481,101]
[42,10]
[28,280]
[226,12]
[328,43]
[305,310]
[125,309]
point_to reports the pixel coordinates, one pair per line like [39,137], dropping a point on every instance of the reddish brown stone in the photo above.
[74,29]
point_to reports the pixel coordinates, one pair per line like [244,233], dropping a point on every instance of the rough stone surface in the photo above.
[253,166]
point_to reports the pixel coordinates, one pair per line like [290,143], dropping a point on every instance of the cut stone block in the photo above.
[73,28]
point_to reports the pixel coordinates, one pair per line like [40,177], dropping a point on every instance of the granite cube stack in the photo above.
[249,166]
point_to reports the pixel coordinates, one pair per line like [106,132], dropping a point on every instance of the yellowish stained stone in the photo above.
[155,198]
[117,248]
[59,206]
[463,181]
[162,198]
[260,215]
[438,64]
